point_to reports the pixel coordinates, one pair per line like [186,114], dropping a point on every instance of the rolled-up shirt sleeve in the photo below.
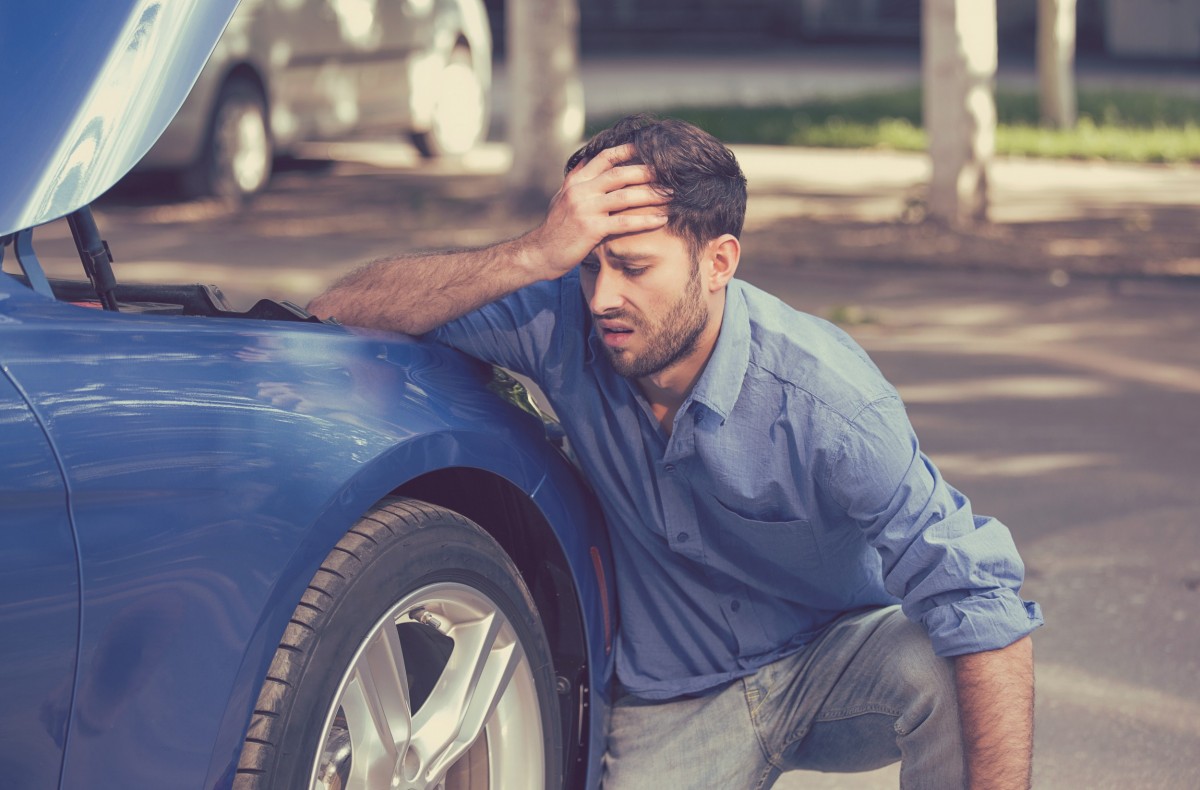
[517,332]
[956,573]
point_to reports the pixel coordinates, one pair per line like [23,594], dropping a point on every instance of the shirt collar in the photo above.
[721,382]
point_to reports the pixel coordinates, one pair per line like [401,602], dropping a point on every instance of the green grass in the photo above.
[1114,125]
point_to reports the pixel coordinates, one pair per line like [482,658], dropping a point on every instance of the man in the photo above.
[766,497]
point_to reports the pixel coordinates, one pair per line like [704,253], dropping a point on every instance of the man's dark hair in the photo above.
[708,190]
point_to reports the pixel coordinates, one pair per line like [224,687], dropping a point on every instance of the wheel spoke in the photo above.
[377,710]
[485,656]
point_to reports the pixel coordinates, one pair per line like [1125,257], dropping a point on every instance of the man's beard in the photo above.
[674,338]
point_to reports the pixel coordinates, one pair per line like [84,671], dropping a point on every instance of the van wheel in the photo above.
[460,114]
[235,162]
[416,659]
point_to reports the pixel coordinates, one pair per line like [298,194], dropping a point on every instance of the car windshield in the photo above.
[88,86]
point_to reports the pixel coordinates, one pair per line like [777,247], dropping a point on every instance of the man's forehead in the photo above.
[631,246]
[641,244]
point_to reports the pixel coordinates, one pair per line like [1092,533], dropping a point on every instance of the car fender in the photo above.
[247,448]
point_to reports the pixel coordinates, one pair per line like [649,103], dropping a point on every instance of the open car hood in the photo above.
[87,87]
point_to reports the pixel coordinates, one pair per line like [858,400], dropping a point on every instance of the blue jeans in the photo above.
[868,692]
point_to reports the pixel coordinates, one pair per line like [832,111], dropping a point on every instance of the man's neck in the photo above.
[667,389]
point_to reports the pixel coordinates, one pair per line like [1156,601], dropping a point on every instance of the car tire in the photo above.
[460,113]
[237,155]
[417,623]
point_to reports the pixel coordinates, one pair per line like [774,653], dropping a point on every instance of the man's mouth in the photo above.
[615,335]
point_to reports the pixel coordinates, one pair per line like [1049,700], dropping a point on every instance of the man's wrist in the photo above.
[532,256]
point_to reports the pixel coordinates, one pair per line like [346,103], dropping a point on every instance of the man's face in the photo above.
[647,300]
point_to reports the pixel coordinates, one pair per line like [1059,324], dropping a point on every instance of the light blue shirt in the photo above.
[790,491]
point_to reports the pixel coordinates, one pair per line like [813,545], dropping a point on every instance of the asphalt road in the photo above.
[1069,411]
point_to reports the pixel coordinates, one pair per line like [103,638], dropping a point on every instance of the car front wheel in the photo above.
[416,660]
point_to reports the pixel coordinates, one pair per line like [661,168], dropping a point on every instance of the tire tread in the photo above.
[353,553]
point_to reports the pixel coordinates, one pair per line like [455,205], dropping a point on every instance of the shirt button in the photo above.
[682,537]
[669,468]
[735,605]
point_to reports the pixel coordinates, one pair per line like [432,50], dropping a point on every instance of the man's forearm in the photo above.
[416,293]
[995,700]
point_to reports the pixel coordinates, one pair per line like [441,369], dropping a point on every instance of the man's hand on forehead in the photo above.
[592,204]
[618,186]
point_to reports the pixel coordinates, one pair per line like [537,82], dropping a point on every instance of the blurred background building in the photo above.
[1123,28]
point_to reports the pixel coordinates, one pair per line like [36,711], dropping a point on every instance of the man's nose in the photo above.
[606,292]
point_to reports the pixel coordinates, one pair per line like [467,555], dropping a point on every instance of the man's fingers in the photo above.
[634,197]
[625,176]
[634,223]
[607,159]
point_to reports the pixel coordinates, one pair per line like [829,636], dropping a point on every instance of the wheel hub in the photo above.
[438,685]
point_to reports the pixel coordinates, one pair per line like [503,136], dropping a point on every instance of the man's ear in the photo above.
[725,252]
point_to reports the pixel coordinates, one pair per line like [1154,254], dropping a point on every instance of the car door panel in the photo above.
[39,601]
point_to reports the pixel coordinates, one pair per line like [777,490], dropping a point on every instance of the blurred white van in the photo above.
[288,71]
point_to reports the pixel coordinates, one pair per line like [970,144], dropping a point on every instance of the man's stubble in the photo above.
[670,340]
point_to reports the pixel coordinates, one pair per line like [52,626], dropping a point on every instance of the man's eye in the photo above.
[591,267]
[635,271]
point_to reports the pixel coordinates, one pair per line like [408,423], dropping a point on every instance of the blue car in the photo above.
[252,549]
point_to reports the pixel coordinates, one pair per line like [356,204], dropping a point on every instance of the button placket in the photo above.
[679,508]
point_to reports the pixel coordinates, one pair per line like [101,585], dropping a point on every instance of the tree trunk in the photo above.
[958,65]
[1055,62]
[545,122]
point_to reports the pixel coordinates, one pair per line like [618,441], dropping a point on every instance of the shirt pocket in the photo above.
[751,545]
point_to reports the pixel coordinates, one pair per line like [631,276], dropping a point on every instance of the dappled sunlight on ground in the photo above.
[1075,332]
[1054,217]
[968,465]
[1024,387]
[1109,697]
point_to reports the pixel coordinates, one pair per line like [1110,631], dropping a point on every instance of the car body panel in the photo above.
[39,600]
[560,498]
[212,464]
[90,87]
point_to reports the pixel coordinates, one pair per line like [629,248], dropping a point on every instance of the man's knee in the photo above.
[928,679]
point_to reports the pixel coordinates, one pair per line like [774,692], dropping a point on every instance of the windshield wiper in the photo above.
[93,251]
[96,257]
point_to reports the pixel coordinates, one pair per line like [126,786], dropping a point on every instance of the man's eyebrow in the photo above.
[631,256]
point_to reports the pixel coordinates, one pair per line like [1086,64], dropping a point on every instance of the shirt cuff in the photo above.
[988,621]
